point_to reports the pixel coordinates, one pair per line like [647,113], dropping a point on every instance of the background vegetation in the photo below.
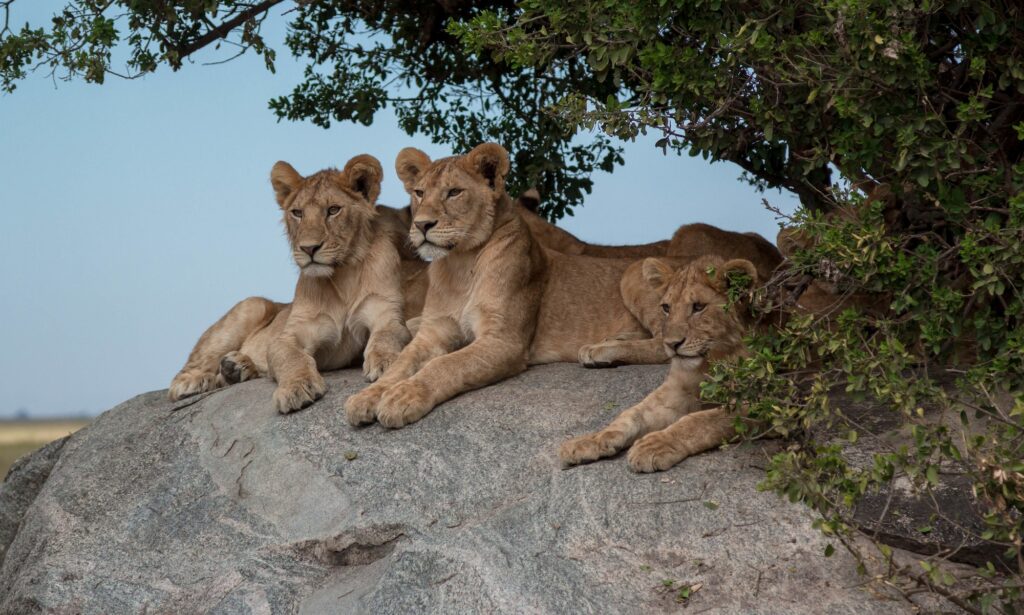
[21,437]
[899,123]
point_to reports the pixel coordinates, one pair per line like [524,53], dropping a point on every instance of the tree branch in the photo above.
[225,28]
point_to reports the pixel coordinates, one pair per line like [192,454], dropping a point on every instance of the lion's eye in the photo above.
[333,210]
[454,192]
[698,307]
[665,307]
[418,193]
[297,213]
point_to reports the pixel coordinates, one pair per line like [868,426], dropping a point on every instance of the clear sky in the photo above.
[137,212]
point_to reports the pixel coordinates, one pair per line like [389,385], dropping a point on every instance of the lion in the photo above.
[699,328]
[497,300]
[348,299]
[688,244]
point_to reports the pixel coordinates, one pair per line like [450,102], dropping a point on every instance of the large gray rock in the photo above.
[225,506]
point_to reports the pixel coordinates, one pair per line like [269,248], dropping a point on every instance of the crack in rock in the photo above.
[356,547]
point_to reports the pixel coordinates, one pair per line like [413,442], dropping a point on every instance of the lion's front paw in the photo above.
[377,362]
[189,383]
[236,367]
[361,408]
[604,354]
[406,402]
[655,452]
[299,393]
[590,447]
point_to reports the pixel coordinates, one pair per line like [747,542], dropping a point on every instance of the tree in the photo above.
[362,57]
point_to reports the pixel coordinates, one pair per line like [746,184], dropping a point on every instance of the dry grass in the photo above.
[20,437]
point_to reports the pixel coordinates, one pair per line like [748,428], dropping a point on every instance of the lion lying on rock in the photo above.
[348,300]
[497,299]
[643,300]
[699,327]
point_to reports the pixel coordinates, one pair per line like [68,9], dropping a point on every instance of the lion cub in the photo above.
[698,328]
[497,300]
[348,297]
[688,244]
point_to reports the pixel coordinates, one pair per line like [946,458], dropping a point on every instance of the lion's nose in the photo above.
[675,344]
[425,225]
[311,249]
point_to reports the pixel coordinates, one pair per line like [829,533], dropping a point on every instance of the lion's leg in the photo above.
[388,336]
[202,370]
[623,352]
[291,363]
[237,367]
[638,340]
[658,410]
[434,338]
[487,359]
[692,434]
[627,335]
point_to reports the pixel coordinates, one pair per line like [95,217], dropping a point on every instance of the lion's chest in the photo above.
[344,334]
[456,294]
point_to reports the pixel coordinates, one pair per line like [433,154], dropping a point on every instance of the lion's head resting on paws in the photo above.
[329,214]
[699,324]
[453,199]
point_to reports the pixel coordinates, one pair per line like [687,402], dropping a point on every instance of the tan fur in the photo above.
[669,425]
[348,300]
[549,236]
[497,300]
[689,243]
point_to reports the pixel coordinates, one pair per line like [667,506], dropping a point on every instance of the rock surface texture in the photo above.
[225,506]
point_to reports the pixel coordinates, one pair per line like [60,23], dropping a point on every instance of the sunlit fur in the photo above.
[497,300]
[345,236]
[689,243]
[699,327]
[348,300]
[699,324]
[450,193]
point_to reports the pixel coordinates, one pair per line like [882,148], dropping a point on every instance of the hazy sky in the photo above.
[137,212]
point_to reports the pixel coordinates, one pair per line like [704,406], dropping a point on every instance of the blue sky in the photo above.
[137,212]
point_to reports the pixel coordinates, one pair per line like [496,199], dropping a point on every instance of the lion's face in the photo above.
[329,214]
[453,199]
[697,326]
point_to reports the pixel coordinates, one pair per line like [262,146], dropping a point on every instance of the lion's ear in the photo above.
[364,174]
[285,180]
[490,160]
[656,272]
[410,165]
[731,269]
